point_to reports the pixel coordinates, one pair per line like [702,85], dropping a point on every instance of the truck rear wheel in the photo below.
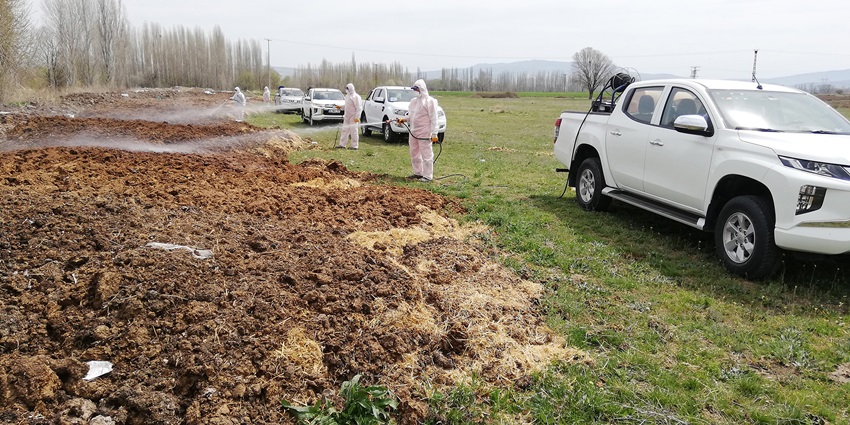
[744,238]
[589,186]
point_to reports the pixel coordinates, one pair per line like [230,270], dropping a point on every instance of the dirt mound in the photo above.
[219,284]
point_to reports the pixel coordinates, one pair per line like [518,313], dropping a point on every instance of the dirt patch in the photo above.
[841,374]
[315,274]
[836,100]
[499,95]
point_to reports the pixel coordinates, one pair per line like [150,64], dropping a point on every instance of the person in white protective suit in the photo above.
[422,120]
[351,118]
[239,98]
[267,95]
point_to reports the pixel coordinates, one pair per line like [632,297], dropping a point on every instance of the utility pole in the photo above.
[755,57]
[565,82]
[269,61]
[694,70]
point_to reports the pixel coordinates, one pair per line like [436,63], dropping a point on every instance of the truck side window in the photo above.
[681,102]
[641,106]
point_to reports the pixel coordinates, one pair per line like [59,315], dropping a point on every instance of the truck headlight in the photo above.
[441,113]
[820,168]
[400,112]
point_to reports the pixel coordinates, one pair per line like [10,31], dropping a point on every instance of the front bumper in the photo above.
[327,114]
[825,230]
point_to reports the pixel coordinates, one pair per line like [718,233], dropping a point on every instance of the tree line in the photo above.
[90,43]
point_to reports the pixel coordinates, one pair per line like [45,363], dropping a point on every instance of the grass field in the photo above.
[675,338]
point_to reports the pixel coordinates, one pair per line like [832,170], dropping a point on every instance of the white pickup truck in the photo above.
[384,105]
[767,168]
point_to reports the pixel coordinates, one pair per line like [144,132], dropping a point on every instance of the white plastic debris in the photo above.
[208,92]
[202,254]
[125,95]
[97,368]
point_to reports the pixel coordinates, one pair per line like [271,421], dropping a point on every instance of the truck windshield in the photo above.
[777,111]
[294,92]
[328,95]
[404,95]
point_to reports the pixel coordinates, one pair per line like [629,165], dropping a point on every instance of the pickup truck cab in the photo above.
[322,104]
[386,104]
[765,167]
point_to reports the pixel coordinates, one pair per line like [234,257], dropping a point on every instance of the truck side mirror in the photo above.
[693,124]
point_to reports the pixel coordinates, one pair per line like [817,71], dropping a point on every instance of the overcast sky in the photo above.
[651,36]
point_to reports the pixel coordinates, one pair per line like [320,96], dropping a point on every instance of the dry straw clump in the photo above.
[282,142]
[475,317]
[322,183]
[303,352]
[432,226]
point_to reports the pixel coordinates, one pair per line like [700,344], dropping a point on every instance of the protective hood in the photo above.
[350,88]
[237,90]
[423,89]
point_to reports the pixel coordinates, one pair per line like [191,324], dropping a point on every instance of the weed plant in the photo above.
[675,338]
[370,405]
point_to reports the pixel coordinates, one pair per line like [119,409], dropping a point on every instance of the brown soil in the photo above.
[316,273]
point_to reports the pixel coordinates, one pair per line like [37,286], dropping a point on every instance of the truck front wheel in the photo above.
[390,136]
[744,238]
[589,186]
[363,127]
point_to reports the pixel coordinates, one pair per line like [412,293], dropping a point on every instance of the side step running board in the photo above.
[683,217]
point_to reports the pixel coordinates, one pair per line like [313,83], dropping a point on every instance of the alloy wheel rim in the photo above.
[739,238]
[587,186]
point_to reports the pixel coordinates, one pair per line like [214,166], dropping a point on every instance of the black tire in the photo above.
[364,129]
[589,185]
[304,117]
[744,240]
[390,136]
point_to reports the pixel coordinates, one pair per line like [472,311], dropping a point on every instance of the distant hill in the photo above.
[838,79]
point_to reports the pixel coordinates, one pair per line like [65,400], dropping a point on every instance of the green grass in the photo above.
[675,338]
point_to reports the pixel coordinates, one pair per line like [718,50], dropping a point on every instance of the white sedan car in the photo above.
[384,105]
[321,104]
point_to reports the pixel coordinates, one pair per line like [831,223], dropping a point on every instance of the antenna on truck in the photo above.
[755,57]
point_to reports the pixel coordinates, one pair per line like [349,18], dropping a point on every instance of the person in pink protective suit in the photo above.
[422,120]
[351,117]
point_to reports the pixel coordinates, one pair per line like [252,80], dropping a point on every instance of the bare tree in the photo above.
[591,67]
[110,23]
[14,33]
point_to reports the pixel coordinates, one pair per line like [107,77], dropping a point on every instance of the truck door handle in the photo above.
[616,133]
[656,142]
